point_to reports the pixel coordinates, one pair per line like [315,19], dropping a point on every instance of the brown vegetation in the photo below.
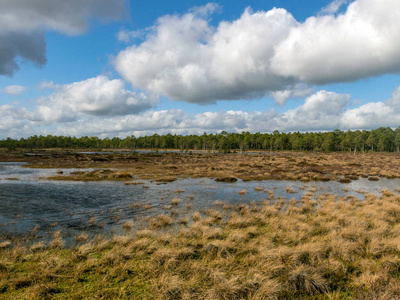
[321,247]
[318,247]
[316,166]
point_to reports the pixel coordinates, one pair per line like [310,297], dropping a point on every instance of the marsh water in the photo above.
[32,205]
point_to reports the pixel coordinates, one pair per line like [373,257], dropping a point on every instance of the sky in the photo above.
[116,68]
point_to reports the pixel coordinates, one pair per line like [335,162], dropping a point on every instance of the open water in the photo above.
[33,206]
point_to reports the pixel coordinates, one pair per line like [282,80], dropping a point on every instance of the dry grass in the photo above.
[242,192]
[127,225]
[160,221]
[270,193]
[83,237]
[175,201]
[147,206]
[292,165]
[322,247]
[258,188]
[196,216]
[290,190]
[5,244]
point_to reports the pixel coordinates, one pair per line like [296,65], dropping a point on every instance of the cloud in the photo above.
[29,47]
[334,6]
[263,53]
[68,17]
[127,36]
[186,59]
[14,89]
[206,10]
[13,121]
[394,101]
[47,85]
[297,91]
[370,116]
[362,42]
[98,96]
[150,121]
[162,122]
[24,22]
[374,114]
[321,111]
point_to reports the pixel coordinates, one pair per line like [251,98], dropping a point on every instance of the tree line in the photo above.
[381,139]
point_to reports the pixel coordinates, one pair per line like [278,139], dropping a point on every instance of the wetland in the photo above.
[254,226]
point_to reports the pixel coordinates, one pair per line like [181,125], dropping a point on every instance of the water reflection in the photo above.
[28,203]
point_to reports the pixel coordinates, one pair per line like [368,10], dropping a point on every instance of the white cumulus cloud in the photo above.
[263,53]
[362,42]
[98,96]
[186,59]
[321,111]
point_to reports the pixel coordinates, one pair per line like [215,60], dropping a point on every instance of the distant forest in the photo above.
[381,139]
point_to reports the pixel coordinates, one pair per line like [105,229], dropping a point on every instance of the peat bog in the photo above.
[293,240]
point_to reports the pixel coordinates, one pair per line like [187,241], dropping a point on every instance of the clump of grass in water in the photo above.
[242,192]
[127,225]
[270,193]
[175,201]
[290,190]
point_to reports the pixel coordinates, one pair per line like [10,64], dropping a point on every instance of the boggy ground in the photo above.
[312,166]
[315,248]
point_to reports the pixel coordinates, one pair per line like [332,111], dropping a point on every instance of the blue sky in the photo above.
[118,68]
